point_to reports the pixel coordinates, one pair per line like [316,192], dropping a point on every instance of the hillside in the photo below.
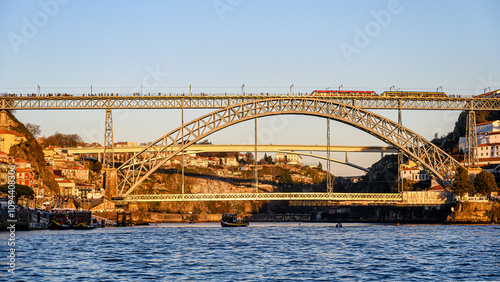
[31,151]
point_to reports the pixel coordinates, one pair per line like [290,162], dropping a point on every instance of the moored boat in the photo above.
[232,220]
[71,219]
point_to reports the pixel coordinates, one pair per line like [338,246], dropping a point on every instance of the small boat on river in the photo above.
[232,220]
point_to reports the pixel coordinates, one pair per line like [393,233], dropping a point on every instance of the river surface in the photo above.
[260,252]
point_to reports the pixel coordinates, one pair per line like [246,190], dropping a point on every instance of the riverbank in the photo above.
[459,212]
[475,212]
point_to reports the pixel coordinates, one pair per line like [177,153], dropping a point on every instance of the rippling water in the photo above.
[260,252]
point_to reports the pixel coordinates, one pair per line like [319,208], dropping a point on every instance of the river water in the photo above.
[260,252]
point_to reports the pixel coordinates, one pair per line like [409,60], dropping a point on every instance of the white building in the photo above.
[488,141]
[413,172]
[280,158]
[292,159]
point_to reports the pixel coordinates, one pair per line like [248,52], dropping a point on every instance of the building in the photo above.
[86,191]
[229,161]
[76,172]
[9,138]
[293,159]
[126,144]
[411,171]
[280,158]
[488,142]
[66,187]
[4,172]
[290,158]
[52,151]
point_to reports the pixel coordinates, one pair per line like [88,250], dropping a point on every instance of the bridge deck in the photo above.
[221,101]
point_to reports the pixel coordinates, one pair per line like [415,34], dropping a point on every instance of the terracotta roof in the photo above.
[483,123]
[490,144]
[11,132]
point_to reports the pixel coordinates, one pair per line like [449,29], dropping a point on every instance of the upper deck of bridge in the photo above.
[215,101]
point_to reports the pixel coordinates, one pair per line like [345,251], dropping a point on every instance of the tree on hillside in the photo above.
[286,177]
[249,157]
[21,190]
[269,159]
[485,183]
[63,140]
[34,129]
[461,182]
[266,159]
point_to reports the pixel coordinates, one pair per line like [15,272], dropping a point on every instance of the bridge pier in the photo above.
[110,185]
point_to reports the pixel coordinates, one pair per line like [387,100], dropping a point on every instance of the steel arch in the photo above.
[138,168]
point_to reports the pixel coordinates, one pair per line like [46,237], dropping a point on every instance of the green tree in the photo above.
[461,182]
[485,183]
[320,166]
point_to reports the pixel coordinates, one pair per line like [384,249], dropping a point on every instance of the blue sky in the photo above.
[219,45]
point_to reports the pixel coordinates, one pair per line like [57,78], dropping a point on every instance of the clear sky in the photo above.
[218,45]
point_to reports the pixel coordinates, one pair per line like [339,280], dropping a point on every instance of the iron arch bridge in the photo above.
[133,172]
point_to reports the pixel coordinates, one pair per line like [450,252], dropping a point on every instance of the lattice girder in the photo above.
[434,160]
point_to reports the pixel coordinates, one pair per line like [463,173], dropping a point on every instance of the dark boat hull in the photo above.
[233,224]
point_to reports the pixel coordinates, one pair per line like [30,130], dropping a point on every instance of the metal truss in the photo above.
[108,156]
[356,197]
[222,101]
[471,159]
[137,169]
